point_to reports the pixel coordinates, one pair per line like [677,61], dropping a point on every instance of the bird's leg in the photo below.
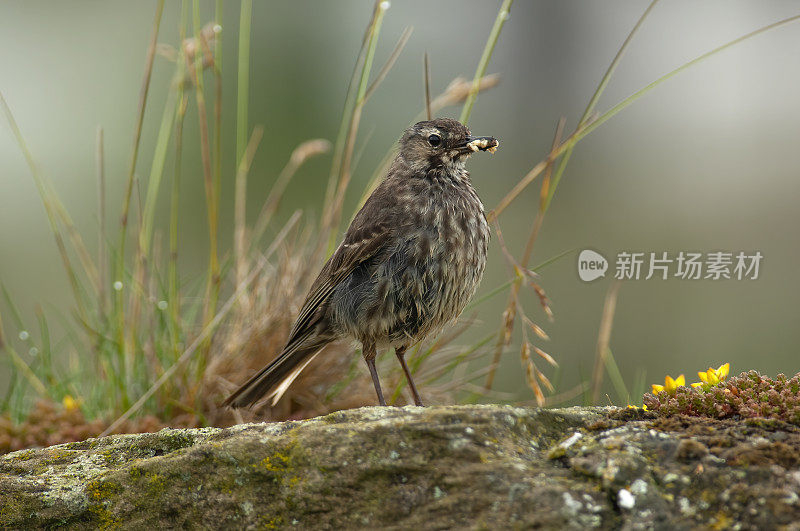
[401,355]
[369,357]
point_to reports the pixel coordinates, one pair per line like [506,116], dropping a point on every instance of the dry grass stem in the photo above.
[604,338]
[384,71]
[427,65]
[240,204]
[102,233]
[303,152]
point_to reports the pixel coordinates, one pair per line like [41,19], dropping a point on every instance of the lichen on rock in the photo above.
[436,467]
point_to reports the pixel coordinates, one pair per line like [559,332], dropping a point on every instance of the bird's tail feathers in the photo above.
[274,379]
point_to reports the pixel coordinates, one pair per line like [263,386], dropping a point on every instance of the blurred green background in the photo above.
[707,162]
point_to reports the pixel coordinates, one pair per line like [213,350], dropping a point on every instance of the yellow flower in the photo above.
[643,408]
[69,403]
[670,385]
[713,376]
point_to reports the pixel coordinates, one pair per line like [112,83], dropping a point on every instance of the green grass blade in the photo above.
[156,172]
[581,133]
[344,125]
[12,307]
[119,260]
[49,206]
[173,297]
[616,379]
[332,215]
[603,118]
[494,35]
[594,99]
[243,79]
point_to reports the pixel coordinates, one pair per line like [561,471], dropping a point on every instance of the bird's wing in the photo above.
[346,258]
[367,237]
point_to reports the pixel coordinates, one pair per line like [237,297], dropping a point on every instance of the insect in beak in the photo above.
[479,143]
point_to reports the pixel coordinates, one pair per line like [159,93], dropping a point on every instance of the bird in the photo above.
[410,261]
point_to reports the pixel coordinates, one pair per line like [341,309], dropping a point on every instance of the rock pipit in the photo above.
[409,263]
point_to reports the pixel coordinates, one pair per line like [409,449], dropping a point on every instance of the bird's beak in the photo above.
[479,143]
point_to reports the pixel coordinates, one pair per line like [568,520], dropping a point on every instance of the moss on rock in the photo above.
[440,467]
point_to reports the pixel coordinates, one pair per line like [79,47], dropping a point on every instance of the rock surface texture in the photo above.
[488,467]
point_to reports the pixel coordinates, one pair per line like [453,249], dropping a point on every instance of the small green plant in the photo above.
[748,395]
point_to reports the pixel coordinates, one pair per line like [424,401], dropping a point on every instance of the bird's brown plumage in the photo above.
[409,262]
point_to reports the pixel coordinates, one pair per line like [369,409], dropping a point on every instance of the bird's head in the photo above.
[441,143]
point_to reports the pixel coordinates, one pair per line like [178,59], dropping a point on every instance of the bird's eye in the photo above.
[434,140]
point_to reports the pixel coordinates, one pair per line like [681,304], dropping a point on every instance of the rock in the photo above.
[486,467]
